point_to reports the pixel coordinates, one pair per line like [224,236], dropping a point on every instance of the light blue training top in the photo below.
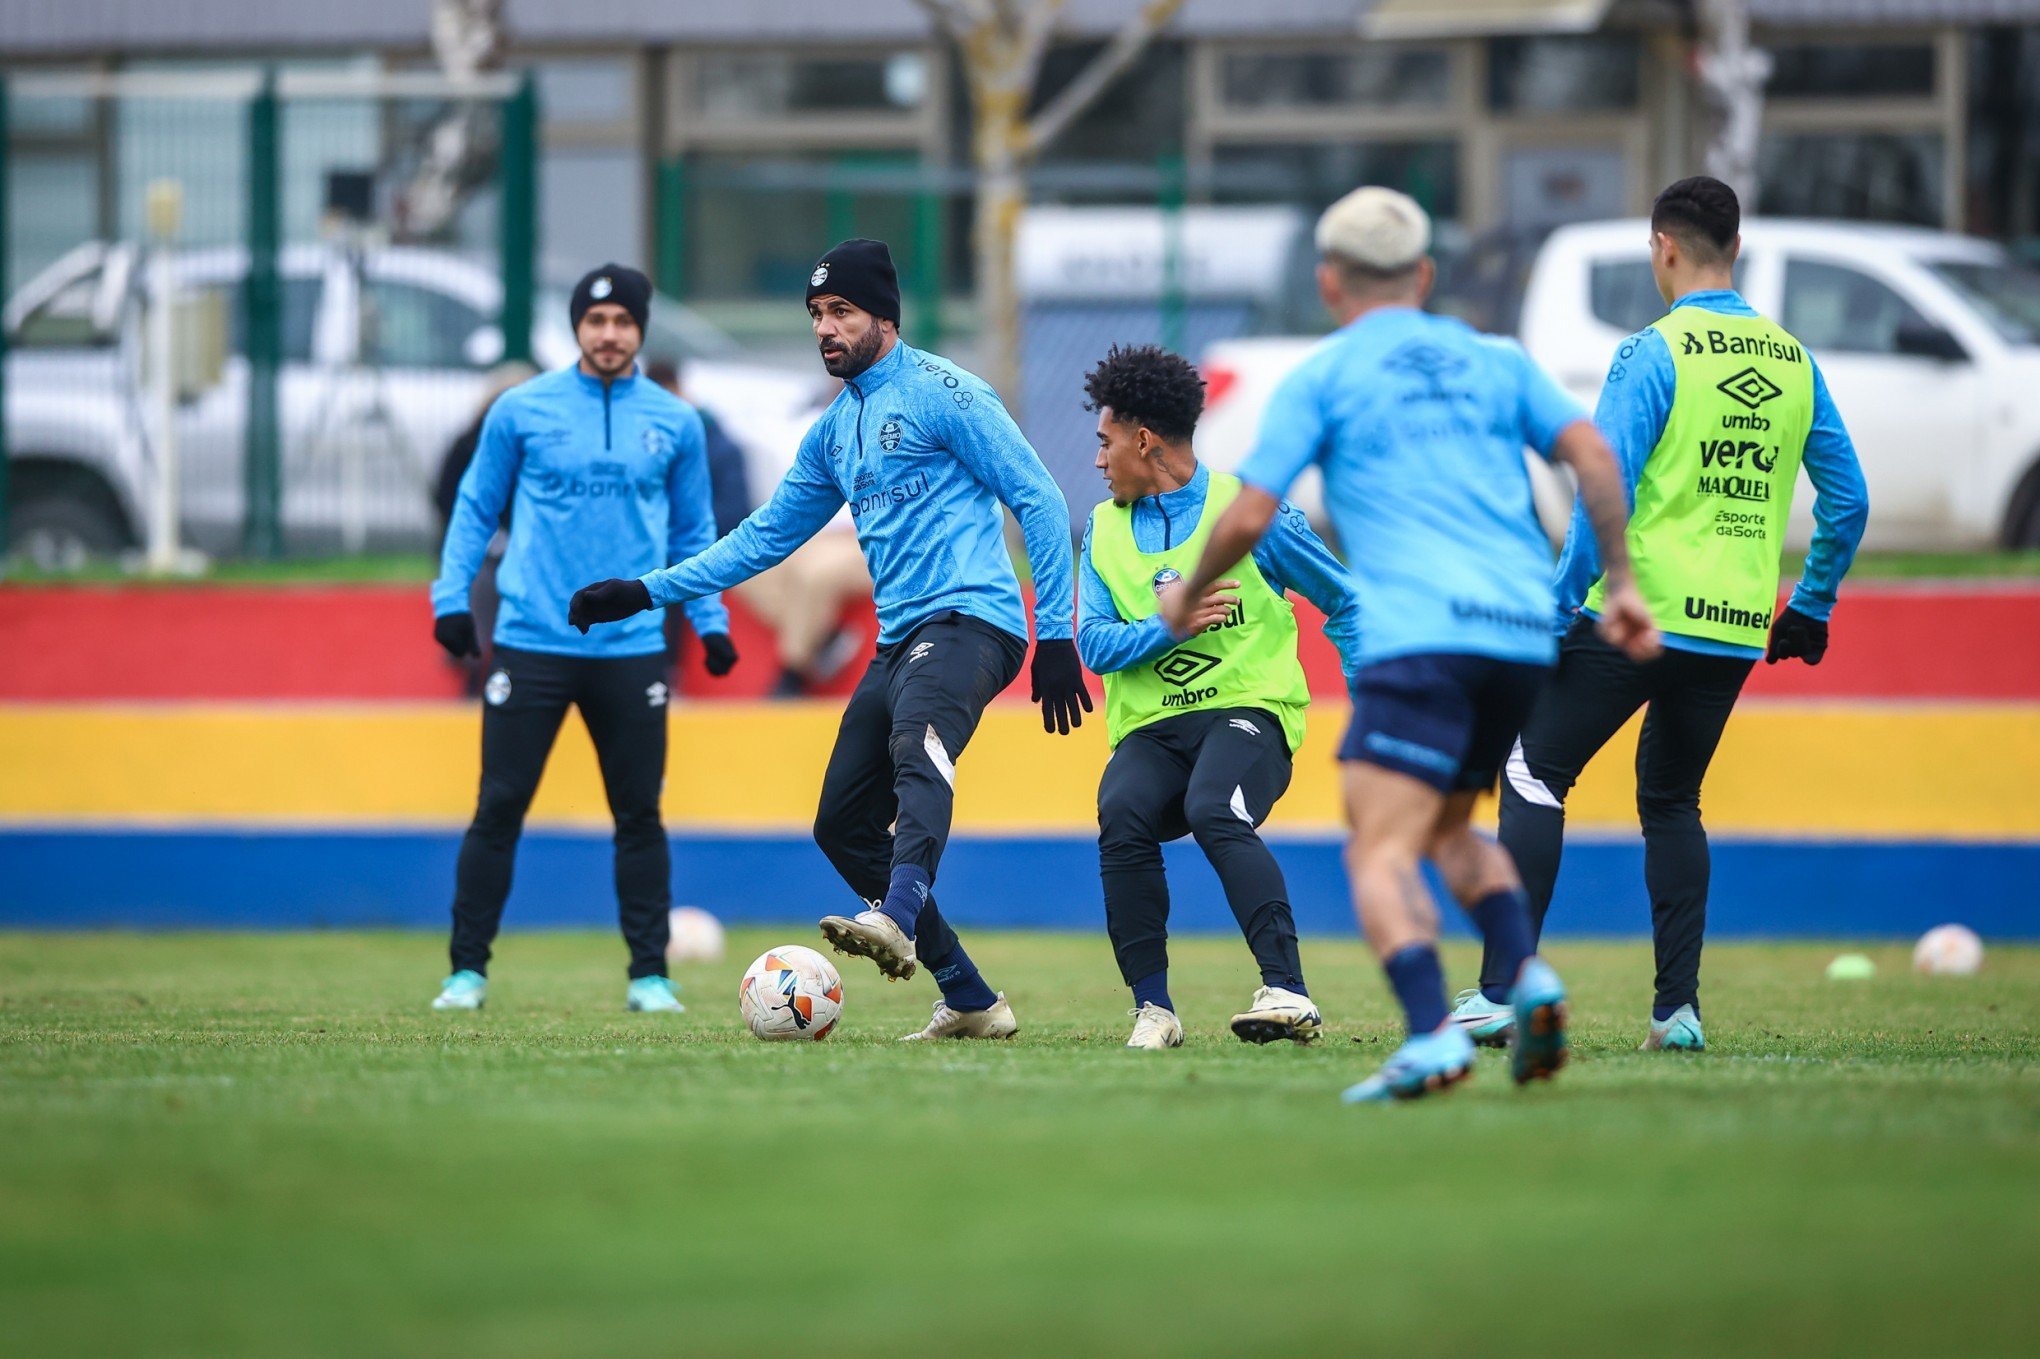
[601,480]
[1290,556]
[1635,404]
[924,454]
[1419,423]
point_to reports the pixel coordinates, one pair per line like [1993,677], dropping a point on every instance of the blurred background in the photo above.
[265,265]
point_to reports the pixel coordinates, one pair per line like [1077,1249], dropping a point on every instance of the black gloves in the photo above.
[608,601]
[456,632]
[718,654]
[1796,635]
[1058,685]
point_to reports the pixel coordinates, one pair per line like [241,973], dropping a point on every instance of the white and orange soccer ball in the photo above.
[1948,951]
[694,936]
[791,992]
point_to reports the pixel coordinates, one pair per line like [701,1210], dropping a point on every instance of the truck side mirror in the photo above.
[1925,340]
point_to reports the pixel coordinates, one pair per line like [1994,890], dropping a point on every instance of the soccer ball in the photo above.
[791,992]
[1948,951]
[695,936]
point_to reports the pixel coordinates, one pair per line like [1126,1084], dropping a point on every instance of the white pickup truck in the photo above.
[1930,343]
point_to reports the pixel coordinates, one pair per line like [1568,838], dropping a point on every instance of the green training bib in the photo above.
[1247,661]
[1711,504]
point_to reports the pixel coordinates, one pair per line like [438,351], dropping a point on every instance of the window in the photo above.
[756,223]
[1373,77]
[64,321]
[1850,71]
[1866,176]
[585,90]
[1624,294]
[2008,296]
[1314,174]
[1563,75]
[775,84]
[1838,310]
[300,311]
[416,327]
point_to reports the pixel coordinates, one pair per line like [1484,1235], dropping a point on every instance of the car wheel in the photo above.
[61,534]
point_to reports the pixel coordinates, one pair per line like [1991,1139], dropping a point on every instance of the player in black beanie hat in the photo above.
[858,272]
[618,283]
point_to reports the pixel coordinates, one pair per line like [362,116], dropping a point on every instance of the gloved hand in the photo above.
[1794,634]
[607,601]
[456,632]
[1058,685]
[718,654]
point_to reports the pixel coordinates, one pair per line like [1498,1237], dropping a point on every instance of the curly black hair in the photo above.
[1149,386]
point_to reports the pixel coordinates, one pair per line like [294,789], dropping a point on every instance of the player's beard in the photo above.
[609,362]
[851,360]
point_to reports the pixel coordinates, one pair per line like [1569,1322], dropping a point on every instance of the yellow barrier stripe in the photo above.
[1967,771]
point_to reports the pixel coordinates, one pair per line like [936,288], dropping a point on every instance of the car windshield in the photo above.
[2008,296]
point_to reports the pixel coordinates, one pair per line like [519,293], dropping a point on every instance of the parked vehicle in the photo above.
[367,410]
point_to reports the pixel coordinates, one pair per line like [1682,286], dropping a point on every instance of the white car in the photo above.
[1929,341]
[362,441]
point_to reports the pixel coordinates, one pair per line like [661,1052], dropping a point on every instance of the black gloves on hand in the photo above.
[456,632]
[607,601]
[1796,635]
[1058,685]
[718,654]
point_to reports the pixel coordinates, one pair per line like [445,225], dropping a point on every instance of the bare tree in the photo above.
[468,39]
[1002,43]
[1733,74]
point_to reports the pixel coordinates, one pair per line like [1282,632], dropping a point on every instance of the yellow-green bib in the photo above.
[1711,504]
[1248,661]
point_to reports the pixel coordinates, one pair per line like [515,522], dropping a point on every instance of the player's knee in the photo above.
[1124,817]
[919,752]
[501,806]
[1658,810]
[1213,817]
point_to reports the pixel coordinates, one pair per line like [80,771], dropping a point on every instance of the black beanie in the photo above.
[618,283]
[860,272]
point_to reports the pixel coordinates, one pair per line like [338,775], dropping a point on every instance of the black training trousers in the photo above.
[890,789]
[1216,775]
[1594,690]
[525,697]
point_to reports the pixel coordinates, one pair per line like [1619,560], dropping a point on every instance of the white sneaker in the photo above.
[1277,1013]
[1155,1028]
[873,935]
[464,990]
[997,1022]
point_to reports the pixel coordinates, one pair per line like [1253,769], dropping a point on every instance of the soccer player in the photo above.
[1712,411]
[924,454]
[1419,424]
[602,470]
[1202,725]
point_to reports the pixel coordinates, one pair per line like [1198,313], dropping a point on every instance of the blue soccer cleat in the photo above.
[464,990]
[1680,1033]
[1425,1063]
[652,995]
[1537,1050]
[1488,1023]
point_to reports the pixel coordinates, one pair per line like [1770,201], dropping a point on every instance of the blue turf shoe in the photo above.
[1427,1062]
[464,990]
[1537,1050]
[1488,1023]
[1680,1033]
[653,995]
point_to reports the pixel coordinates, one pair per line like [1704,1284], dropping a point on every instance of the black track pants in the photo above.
[890,789]
[1594,690]
[525,698]
[1215,775]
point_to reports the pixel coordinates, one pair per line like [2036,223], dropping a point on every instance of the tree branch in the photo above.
[949,15]
[1126,45]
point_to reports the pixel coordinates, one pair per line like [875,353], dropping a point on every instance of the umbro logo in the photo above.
[1749,387]
[920,651]
[1248,727]
[1184,668]
[656,694]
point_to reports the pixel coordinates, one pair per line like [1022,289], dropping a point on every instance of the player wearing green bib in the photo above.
[1713,411]
[1202,723]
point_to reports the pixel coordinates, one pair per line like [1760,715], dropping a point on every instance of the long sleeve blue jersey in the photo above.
[924,454]
[1290,556]
[1635,404]
[601,479]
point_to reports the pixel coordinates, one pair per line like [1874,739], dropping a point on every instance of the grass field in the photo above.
[266,1145]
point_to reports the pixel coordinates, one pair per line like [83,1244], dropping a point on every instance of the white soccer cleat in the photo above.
[1488,1024]
[464,990]
[1155,1029]
[873,935]
[1277,1013]
[997,1022]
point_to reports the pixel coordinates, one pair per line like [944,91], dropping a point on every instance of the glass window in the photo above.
[2007,295]
[1371,77]
[774,84]
[589,90]
[64,321]
[1869,176]
[1850,71]
[1838,310]
[416,327]
[300,311]
[1563,75]
[756,223]
[1624,294]
[1314,174]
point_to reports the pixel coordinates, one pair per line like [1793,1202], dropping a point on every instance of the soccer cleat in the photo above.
[873,935]
[1276,1013]
[1155,1028]
[1680,1033]
[464,990]
[997,1022]
[1423,1065]
[1537,1043]
[653,995]
[1487,1023]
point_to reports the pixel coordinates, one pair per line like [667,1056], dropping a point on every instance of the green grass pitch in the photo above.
[223,1145]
